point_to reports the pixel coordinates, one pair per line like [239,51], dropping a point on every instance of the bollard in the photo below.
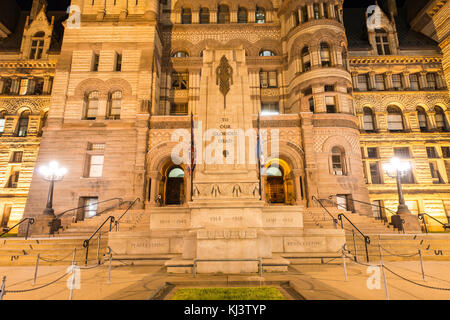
[345,264]
[36,269]
[110,264]
[421,266]
[354,246]
[386,292]
[74,256]
[2,288]
[73,282]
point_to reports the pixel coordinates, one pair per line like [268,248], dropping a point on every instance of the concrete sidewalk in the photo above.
[312,281]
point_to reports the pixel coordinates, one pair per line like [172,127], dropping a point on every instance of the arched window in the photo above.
[316,11]
[337,160]
[382,42]
[260,15]
[223,14]
[275,184]
[325,55]
[368,120]
[204,15]
[441,123]
[422,117]
[180,54]
[186,16]
[266,53]
[22,126]
[37,45]
[242,15]
[305,16]
[306,59]
[91,105]
[2,121]
[115,105]
[395,119]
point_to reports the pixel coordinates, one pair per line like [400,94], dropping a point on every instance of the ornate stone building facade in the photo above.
[342,97]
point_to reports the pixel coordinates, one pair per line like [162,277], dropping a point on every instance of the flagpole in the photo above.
[192,156]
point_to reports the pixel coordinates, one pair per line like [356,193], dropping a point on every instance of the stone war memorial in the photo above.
[210,138]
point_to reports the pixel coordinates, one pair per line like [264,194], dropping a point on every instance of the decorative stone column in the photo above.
[233,16]
[251,16]
[195,15]
[372,84]
[388,77]
[406,80]
[423,83]
[213,16]
[2,84]
[47,85]
[440,80]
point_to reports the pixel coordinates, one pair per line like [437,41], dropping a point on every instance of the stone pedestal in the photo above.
[411,223]
[45,225]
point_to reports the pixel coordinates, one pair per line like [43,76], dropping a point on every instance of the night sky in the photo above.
[62,4]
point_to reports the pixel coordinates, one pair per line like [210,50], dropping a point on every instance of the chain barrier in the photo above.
[43,286]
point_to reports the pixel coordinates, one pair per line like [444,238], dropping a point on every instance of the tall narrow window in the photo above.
[13,179]
[395,119]
[95,159]
[337,159]
[382,43]
[435,174]
[186,16]
[422,117]
[95,62]
[242,15]
[22,126]
[337,13]
[402,153]
[306,59]
[379,82]
[305,17]
[325,55]
[397,81]
[91,106]
[223,14]
[16,157]
[311,104]
[115,105]
[375,172]
[431,153]
[38,86]
[7,84]
[204,15]
[441,123]
[2,121]
[118,62]
[316,11]
[325,10]
[296,18]
[431,79]
[414,80]
[37,46]
[260,15]
[363,82]
[372,153]
[24,86]
[368,119]
[90,207]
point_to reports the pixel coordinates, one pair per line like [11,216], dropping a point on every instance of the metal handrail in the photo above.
[326,210]
[116,222]
[64,212]
[86,242]
[340,215]
[30,221]
[421,216]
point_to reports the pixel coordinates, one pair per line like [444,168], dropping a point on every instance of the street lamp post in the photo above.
[51,173]
[397,169]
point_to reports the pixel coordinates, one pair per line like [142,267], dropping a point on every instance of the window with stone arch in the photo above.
[382,42]
[242,15]
[368,120]
[37,45]
[114,105]
[22,125]
[186,16]
[441,121]
[260,15]
[395,119]
[423,119]
[266,53]
[325,54]
[223,14]
[204,15]
[91,106]
[338,161]
[306,59]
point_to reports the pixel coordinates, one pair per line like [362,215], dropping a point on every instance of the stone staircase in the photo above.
[53,251]
[318,218]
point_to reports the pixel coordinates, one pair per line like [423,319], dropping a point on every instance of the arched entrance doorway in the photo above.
[174,190]
[279,186]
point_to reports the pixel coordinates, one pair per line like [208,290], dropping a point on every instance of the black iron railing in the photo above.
[421,216]
[30,222]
